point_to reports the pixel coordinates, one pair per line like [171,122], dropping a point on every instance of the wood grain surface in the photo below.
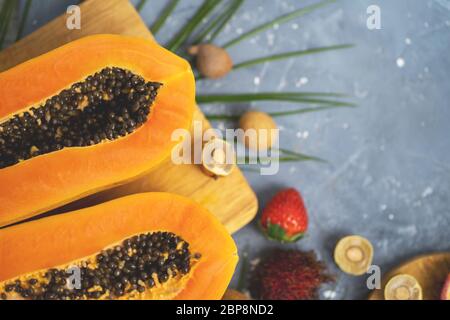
[230,198]
[429,270]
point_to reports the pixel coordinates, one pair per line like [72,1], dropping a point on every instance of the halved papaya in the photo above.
[94,113]
[144,246]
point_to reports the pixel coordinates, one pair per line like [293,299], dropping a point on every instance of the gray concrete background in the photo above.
[389,172]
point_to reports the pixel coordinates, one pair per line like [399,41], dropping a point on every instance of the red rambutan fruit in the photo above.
[288,275]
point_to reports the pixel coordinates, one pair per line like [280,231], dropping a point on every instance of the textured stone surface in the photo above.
[389,172]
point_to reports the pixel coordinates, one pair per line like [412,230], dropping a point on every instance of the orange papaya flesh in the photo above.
[87,116]
[144,246]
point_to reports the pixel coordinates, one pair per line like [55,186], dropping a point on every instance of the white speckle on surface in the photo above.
[367,181]
[301,82]
[426,69]
[276,26]
[383,207]
[227,29]
[393,182]
[391,217]
[256,81]
[359,92]
[254,262]
[270,39]
[408,41]
[306,35]
[427,192]
[329,294]
[239,30]
[409,231]
[417,204]
[400,62]
[292,169]
[295,26]
[285,5]
[383,244]
[345,126]
[302,135]
[283,83]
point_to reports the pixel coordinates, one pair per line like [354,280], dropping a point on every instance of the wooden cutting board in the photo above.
[429,270]
[231,199]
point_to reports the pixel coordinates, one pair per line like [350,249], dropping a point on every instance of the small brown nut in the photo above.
[260,122]
[212,61]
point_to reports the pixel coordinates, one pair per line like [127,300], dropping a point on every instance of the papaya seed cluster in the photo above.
[105,106]
[136,265]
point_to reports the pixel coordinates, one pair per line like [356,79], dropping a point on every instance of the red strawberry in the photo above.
[285,218]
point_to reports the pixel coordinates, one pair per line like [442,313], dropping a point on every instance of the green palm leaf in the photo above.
[217,23]
[279,20]
[140,5]
[287,55]
[233,9]
[304,97]
[23,20]
[158,24]
[235,117]
[179,38]
[5,17]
